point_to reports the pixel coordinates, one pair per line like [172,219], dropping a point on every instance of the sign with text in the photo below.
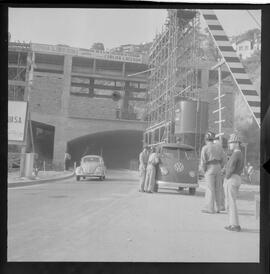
[17,111]
[90,53]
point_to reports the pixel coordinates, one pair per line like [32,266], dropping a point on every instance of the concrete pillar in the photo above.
[66,84]
[205,78]
[60,138]
[124,69]
[94,66]
[124,107]
[91,87]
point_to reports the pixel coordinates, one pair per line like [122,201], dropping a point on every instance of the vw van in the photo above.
[178,168]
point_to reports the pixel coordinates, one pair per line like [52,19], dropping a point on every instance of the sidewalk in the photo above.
[14,179]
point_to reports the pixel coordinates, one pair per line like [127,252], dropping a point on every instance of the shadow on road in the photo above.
[247,230]
[180,193]
[247,195]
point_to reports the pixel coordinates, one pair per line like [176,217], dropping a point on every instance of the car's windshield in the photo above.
[91,159]
[179,153]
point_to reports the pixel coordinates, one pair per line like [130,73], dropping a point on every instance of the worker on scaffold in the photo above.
[213,159]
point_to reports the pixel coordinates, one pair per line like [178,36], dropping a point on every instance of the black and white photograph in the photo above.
[134,134]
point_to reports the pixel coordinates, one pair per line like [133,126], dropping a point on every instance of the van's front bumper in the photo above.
[165,184]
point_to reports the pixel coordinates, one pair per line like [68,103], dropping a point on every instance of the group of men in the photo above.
[222,175]
[148,161]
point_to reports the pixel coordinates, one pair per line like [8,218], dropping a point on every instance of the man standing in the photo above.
[143,159]
[234,168]
[222,194]
[213,159]
[67,158]
[150,178]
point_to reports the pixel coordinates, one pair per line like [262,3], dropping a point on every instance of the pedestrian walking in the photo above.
[150,177]
[143,159]
[213,159]
[234,168]
[67,159]
[250,171]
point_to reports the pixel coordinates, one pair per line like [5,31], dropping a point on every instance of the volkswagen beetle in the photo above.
[178,167]
[91,166]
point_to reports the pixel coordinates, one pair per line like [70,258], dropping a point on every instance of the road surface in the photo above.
[111,221]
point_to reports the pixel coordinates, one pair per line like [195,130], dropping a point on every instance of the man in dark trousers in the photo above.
[67,159]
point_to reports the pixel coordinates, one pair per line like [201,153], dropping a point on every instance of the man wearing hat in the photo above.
[234,168]
[213,159]
[143,159]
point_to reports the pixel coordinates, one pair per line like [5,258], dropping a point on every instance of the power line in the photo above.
[253,17]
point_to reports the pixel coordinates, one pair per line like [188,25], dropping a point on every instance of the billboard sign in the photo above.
[17,116]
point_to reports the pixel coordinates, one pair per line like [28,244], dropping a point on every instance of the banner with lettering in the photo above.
[17,111]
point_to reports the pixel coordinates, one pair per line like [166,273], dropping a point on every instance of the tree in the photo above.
[98,46]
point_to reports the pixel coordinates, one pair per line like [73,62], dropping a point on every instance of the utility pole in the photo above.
[220,108]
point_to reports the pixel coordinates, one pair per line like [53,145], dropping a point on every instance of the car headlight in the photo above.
[79,169]
[192,173]
[98,169]
[164,171]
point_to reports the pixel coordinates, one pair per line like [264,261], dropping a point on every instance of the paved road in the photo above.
[112,221]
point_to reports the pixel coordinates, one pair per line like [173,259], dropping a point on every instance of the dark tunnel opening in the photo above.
[119,149]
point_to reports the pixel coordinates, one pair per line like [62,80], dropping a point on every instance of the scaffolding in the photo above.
[172,62]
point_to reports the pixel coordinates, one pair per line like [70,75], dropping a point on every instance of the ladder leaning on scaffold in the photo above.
[232,61]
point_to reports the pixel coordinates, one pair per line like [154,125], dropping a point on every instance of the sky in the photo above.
[112,27]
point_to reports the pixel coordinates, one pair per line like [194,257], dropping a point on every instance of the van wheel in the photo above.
[78,178]
[180,189]
[103,178]
[192,191]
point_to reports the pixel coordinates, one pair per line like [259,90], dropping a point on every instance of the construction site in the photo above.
[177,93]
[106,156]
[183,101]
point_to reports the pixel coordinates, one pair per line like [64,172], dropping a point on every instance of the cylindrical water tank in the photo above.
[191,121]
[191,117]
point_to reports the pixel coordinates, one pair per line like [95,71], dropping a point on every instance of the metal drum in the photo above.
[191,121]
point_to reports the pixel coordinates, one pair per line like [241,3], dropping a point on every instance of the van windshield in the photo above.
[180,154]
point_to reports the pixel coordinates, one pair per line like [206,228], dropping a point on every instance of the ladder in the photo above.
[232,61]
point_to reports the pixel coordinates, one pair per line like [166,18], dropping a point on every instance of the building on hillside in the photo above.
[247,43]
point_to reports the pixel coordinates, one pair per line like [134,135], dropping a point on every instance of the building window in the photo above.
[80,80]
[15,93]
[79,90]
[246,47]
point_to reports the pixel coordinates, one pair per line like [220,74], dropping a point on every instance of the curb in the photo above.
[39,181]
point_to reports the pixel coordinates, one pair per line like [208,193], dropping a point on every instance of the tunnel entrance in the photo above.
[119,149]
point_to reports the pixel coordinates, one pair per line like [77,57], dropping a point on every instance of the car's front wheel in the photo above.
[78,178]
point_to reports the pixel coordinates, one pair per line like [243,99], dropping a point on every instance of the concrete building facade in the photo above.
[80,92]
